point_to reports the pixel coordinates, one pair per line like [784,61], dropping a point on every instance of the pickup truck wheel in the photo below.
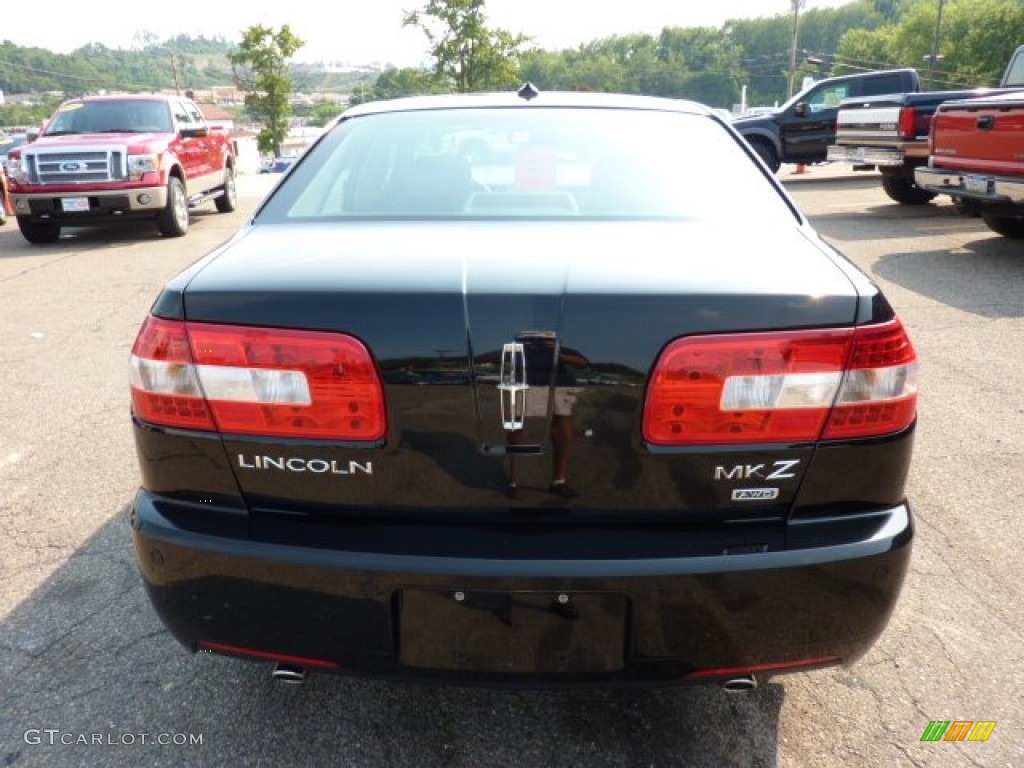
[172,221]
[1006,226]
[39,232]
[227,202]
[767,153]
[905,191]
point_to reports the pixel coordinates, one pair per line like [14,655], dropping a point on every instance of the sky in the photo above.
[363,31]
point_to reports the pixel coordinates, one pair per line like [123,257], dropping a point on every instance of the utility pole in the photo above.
[174,69]
[935,43]
[797,5]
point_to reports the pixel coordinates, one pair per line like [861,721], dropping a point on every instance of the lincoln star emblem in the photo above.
[513,386]
[72,167]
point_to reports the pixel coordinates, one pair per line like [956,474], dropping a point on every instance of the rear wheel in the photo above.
[1007,226]
[228,201]
[172,221]
[767,154]
[39,232]
[905,191]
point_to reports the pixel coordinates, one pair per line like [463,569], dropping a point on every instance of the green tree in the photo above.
[467,53]
[862,49]
[582,69]
[890,9]
[976,39]
[23,115]
[261,69]
[321,114]
[395,83]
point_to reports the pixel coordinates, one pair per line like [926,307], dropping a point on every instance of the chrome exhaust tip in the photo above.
[288,673]
[743,684]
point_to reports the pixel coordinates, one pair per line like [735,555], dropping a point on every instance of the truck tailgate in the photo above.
[981,134]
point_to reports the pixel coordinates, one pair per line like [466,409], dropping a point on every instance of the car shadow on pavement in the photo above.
[890,220]
[90,676]
[128,231]
[984,277]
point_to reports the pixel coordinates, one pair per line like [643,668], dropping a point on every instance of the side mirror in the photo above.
[31,135]
[801,109]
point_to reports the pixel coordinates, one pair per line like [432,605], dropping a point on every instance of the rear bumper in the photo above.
[904,153]
[51,205]
[865,156]
[822,598]
[980,187]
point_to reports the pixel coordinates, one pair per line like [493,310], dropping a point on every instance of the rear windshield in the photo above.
[527,163]
[1014,77]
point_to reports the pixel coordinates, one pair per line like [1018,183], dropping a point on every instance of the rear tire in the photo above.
[1007,226]
[172,221]
[767,154]
[905,191]
[39,232]
[228,201]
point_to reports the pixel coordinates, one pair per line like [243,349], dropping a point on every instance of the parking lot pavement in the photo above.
[820,172]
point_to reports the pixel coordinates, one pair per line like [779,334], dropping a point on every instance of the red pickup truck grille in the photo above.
[78,166]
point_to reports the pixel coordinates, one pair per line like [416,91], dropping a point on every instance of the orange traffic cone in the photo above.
[800,168]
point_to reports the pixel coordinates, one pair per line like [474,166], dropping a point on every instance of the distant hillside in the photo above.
[198,63]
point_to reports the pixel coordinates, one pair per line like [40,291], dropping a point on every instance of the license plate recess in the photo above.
[513,632]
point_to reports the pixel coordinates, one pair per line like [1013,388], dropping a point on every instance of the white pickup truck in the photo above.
[890,132]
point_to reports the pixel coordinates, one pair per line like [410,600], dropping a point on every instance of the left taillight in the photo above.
[256,381]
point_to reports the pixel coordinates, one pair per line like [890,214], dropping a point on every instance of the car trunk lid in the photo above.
[519,354]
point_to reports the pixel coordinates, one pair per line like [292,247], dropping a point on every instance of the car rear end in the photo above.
[564,431]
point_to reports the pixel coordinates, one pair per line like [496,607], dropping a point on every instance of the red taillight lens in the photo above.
[262,381]
[781,387]
[165,388]
[908,122]
[879,392]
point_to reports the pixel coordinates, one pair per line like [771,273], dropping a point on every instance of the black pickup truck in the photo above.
[488,390]
[891,132]
[801,130]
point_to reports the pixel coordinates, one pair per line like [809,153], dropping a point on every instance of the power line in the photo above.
[37,70]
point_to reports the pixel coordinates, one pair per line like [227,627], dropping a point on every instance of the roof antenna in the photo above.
[528,91]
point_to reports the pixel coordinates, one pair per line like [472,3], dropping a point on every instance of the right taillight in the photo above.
[908,122]
[797,386]
[258,381]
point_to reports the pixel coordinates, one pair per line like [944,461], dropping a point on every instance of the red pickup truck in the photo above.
[104,157]
[977,156]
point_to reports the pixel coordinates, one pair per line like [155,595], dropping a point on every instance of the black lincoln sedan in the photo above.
[530,388]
